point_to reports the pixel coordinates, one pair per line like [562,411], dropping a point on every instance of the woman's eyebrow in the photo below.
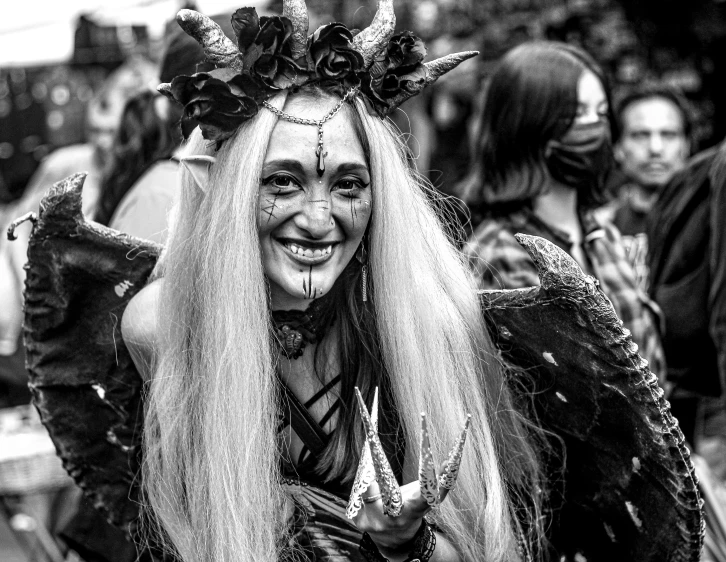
[284,163]
[352,167]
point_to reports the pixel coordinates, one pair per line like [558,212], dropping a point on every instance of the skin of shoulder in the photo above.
[139,327]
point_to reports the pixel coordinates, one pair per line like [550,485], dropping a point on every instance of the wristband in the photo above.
[422,544]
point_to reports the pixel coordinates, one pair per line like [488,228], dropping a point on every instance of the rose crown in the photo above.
[275,53]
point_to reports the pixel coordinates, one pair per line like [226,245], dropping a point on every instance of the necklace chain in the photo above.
[315,122]
[320,151]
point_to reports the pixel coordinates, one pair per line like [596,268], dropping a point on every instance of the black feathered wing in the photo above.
[80,277]
[629,489]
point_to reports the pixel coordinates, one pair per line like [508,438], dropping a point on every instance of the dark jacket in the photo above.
[687,233]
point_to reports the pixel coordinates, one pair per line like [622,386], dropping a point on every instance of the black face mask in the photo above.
[583,157]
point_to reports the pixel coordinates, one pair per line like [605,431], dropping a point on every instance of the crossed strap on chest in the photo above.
[298,416]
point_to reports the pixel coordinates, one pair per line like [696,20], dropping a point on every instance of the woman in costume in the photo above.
[305,264]
[544,155]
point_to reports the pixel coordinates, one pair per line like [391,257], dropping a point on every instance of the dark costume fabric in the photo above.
[624,490]
[688,273]
[500,262]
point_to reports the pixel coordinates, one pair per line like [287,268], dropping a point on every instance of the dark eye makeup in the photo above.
[281,181]
[352,185]
[348,186]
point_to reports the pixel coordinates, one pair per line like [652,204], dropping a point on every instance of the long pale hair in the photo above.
[211,473]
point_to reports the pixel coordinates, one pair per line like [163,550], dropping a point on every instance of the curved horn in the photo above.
[297,12]
[165,89]
[218,48]
[555,267]
[374,38]
[434,70]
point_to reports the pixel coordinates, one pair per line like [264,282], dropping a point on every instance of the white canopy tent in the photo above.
[41,32]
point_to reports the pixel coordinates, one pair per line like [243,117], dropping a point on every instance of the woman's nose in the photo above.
[316,217]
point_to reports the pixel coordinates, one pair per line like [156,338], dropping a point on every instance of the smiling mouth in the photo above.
[309,253]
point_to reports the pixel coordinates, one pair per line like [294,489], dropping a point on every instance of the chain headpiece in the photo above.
[275,53]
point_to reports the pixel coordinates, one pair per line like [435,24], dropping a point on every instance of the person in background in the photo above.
[139,186]
[654,144]
[544,154]
[687,262]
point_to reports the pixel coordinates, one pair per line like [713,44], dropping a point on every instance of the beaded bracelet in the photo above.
[423,545]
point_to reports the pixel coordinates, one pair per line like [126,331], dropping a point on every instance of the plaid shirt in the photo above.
[499,262]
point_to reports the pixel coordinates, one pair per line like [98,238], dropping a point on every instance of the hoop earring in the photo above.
[362,256]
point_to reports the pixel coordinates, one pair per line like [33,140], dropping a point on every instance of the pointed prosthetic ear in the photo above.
[198,167]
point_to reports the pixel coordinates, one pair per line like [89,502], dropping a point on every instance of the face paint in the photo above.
[310,226]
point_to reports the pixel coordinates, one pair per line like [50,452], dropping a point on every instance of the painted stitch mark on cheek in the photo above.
[270,209]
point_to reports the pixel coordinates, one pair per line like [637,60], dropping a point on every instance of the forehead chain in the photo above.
[320,151]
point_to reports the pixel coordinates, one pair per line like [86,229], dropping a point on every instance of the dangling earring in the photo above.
[362,256]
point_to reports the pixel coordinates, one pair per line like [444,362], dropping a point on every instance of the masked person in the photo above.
[544,155]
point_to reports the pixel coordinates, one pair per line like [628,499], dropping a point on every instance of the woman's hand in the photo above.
[393,514]
[392,535]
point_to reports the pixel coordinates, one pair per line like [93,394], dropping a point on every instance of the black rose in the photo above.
[405,52]
[332,55]
[246,26]
[398,69]
[269,56]
[218,101]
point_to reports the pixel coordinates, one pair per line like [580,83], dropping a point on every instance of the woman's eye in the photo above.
[350,185]
[280,181]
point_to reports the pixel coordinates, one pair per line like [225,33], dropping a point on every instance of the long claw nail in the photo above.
[451,468]
[426,469]
[390,491]
[366,473]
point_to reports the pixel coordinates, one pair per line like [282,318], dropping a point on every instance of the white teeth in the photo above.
[309,252]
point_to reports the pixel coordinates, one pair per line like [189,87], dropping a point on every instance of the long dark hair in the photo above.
[531,99]
[148,133]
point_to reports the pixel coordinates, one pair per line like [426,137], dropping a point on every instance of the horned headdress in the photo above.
[276,53]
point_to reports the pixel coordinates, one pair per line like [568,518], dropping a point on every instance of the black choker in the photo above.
[294,329]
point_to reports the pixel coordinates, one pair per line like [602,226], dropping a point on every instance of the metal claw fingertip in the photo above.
[453,463]
[427,478]
[374,409]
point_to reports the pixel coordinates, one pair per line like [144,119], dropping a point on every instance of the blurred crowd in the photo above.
[533,140]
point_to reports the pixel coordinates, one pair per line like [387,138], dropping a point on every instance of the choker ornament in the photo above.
[275,53]
[295,329]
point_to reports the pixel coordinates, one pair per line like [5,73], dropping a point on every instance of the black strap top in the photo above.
[315,440]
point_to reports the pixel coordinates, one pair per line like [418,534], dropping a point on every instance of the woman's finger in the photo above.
[366,473]
[372,494]
[392,499]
